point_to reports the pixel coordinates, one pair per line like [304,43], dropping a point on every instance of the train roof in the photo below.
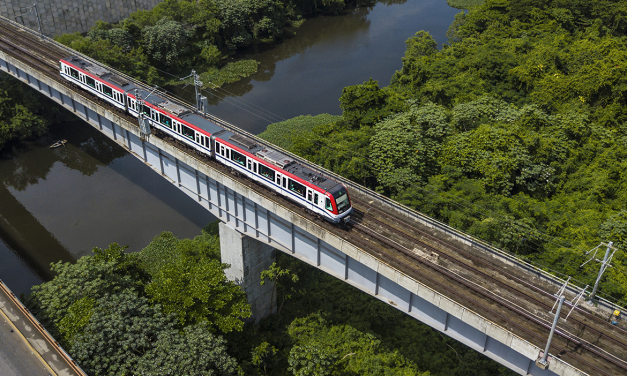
[279,159]
[101,73]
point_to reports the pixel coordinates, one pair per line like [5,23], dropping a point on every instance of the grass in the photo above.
[284,133]
[464,4]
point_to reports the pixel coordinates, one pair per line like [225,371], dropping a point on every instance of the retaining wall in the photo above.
[69,16]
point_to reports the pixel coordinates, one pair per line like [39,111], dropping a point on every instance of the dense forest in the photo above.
[169,310]
[513,132]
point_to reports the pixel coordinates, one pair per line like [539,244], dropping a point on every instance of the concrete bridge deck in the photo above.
[451,281]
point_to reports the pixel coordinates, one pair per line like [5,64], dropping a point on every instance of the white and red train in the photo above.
[308,188]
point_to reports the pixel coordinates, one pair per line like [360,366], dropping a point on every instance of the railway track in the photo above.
[408,231]
[398,250]
[364,222]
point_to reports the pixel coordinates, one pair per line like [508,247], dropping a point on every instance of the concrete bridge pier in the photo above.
[248,257]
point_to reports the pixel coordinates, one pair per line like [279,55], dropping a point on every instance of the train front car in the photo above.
[343,208]
[281,173]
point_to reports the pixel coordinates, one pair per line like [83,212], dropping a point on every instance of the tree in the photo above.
[325,349]
[166,43]
[192,351]
[366,104]
[23,112]
[122,328]
[404,147]
[66,303]
[274,274]
[188,280]
[263,357]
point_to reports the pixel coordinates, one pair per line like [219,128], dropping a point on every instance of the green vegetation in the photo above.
[283,133]
[464,4]
[168,310]
[514,132]
[159,45]
[23,112]
[166,307]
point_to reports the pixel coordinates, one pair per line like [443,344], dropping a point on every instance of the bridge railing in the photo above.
[380,199]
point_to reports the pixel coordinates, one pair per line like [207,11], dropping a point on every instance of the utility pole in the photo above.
[144,125]
[201,101]
[601,271]
[604,264]
[543,362]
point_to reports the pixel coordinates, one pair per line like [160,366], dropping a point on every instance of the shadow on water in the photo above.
[20,230]
[57,204]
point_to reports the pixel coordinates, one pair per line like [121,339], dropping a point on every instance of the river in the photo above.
[57,204]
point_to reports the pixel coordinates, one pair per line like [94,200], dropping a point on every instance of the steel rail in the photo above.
[487,276]
[514,324]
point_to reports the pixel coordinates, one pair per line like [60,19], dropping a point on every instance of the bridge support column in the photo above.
[248,258]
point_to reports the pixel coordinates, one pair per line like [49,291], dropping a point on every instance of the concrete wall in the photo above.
[69,16]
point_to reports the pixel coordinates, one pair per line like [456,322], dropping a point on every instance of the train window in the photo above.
[222,148]
[188,132]
[165,120]
[284,182]
[90,81]
[255,167]
[74,73]
[297,188]
[341,200]
[309,196]
[228,153]
[238,158]
[316,198]
[266,172]
[327,205]
[278,180]
[250,165]
[145,109]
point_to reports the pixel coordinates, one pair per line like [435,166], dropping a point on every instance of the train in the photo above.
[309,189]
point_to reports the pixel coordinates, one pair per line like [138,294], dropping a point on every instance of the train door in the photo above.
[310,196]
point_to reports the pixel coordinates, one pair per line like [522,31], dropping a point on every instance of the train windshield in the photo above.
[341,199]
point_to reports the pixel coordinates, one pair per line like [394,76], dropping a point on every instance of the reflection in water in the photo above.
[84,153]
[57,204]
[306,74]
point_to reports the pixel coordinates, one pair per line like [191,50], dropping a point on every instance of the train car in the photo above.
[96,80]
[283,175]
[173,119]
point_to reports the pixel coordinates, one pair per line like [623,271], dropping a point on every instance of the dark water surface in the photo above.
[305,75]
[57,204]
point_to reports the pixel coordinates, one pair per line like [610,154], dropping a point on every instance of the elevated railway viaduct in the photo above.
[458,285]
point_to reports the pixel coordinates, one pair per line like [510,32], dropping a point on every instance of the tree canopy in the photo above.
[162,311]
[513,132]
